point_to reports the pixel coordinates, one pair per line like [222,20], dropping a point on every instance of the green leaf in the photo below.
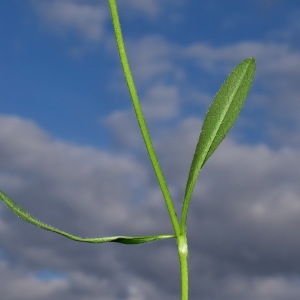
[219,119]
[23,214]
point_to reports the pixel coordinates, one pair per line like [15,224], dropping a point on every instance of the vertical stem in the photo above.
[140,117]
[180,233]
[184,271]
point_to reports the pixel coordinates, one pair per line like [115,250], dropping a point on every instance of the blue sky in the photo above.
[61,72]
[71,153]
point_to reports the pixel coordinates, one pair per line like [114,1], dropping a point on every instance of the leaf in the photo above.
[23,214]
[220,117]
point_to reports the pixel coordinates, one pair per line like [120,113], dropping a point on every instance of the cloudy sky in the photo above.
[71,153]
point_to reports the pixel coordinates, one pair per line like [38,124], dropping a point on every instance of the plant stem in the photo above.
[184,270]
[140,116]
[180,234]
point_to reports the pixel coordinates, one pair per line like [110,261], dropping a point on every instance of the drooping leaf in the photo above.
[220,117]
[25,215]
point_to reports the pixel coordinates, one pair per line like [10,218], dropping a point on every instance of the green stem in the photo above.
[186,205]
[183,260]
[140,116]
[180,234]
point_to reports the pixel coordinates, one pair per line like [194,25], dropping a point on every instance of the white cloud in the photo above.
[82,190]
[243,218]
[271,287]
[124,127]
[158,62]
[86,19]
[150,58]
[161,102]
[19,284]
[152,8]
[62,173]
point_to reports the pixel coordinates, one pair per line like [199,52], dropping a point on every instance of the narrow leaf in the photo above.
[23,214]
[219,119]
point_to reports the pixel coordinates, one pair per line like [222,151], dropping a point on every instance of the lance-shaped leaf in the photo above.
[219,119]
[22,213]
